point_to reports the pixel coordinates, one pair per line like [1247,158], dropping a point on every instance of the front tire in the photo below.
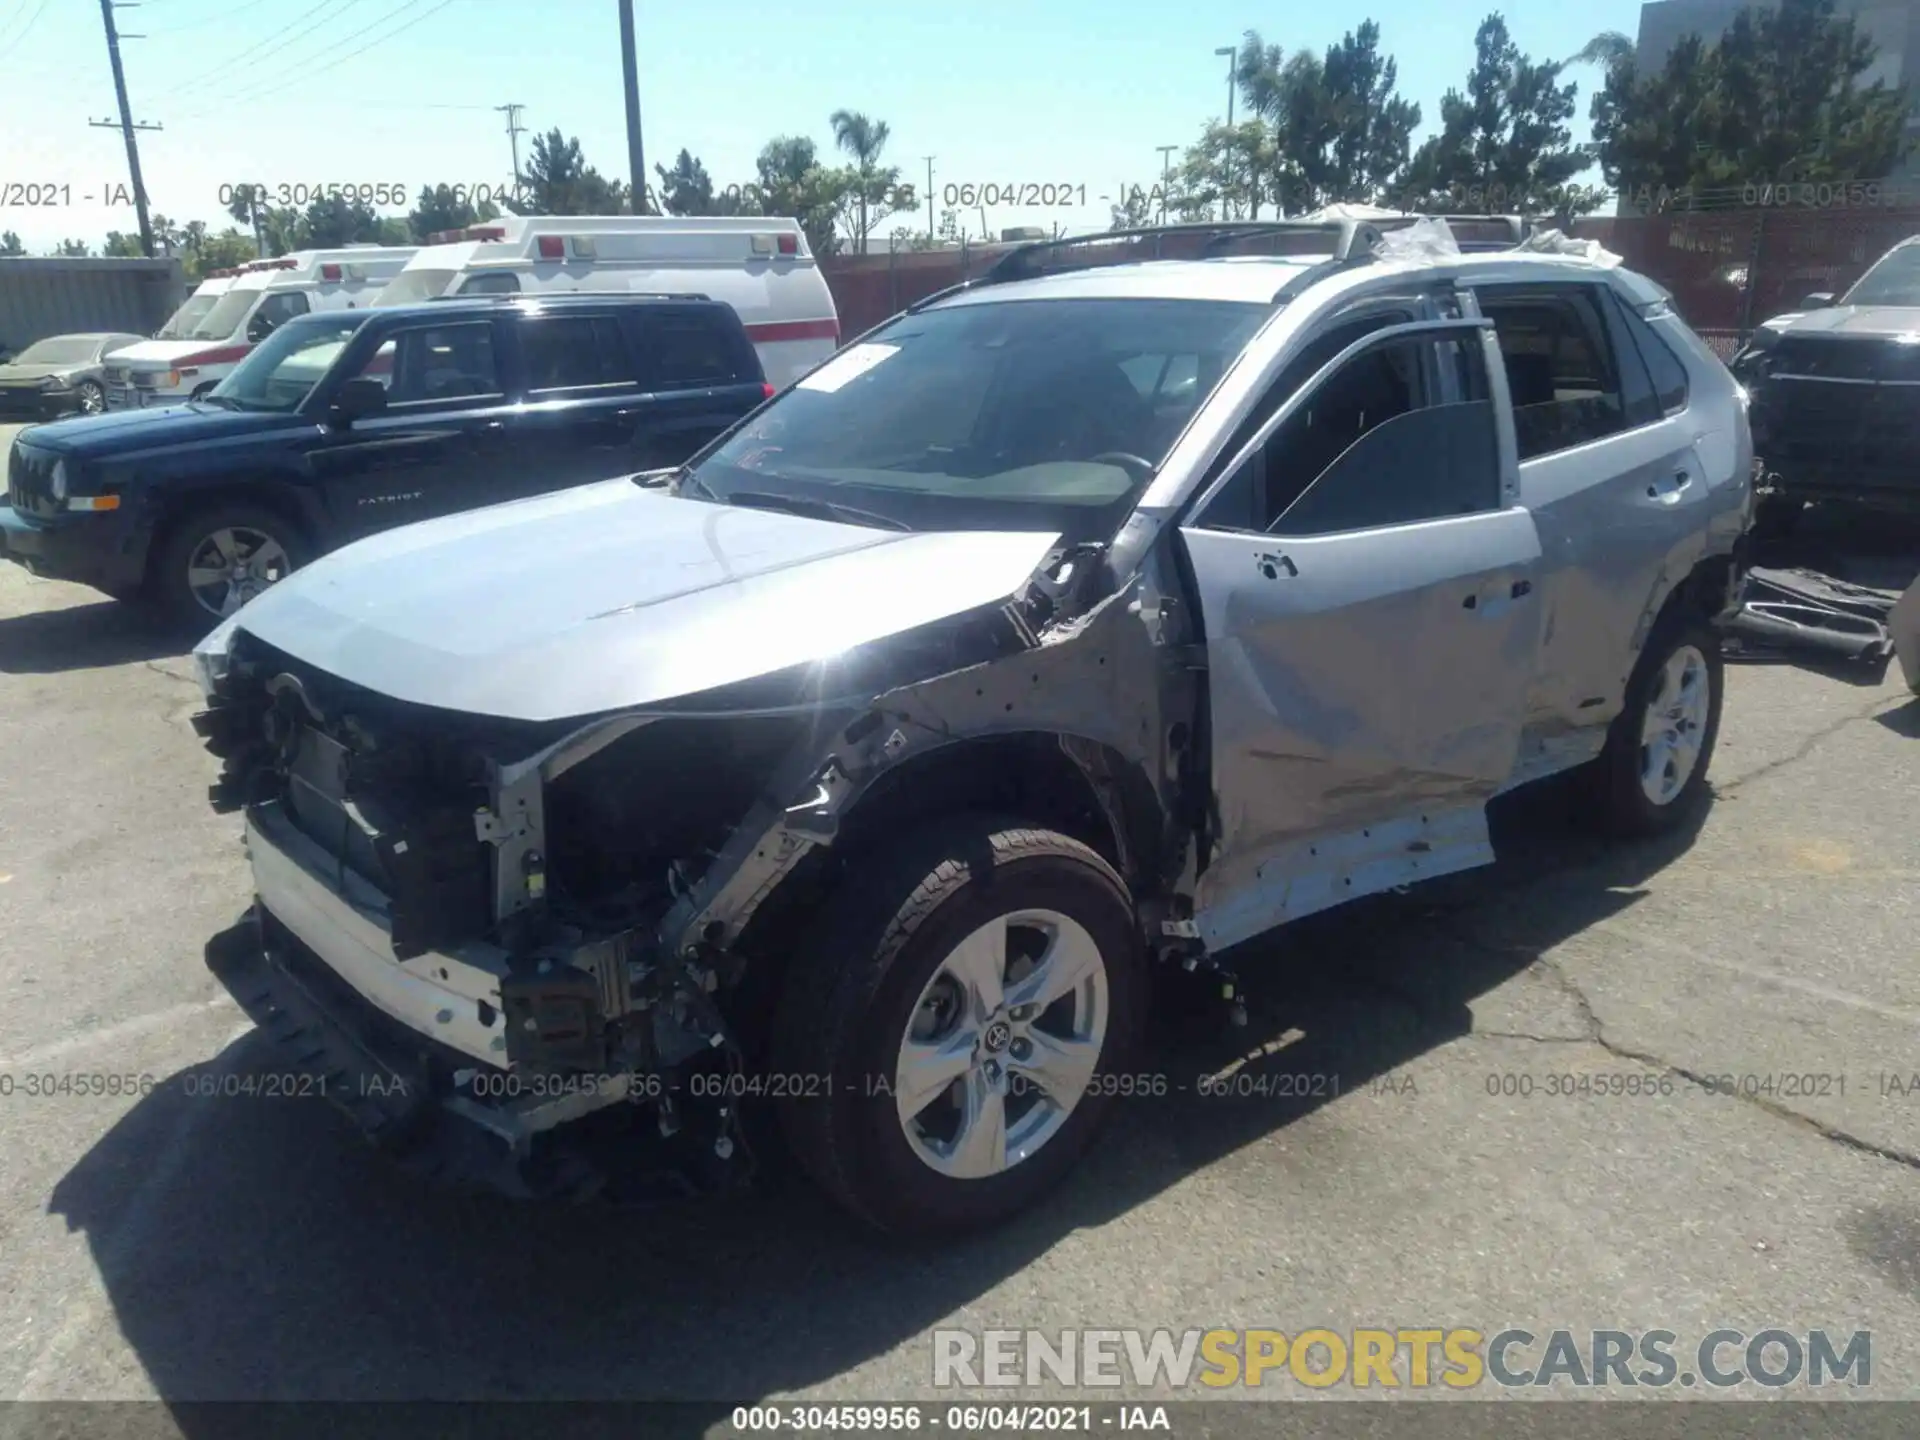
[92,397]
[215,559]
[1653,773]
[946,1022]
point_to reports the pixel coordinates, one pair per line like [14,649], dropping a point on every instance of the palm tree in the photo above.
[864,139]
[1608,49]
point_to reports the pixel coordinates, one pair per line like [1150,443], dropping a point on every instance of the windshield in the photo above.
[1895,280]
[283,369]
[226,315]
[180,326]
[64,350]
[410,287]
[1021,415]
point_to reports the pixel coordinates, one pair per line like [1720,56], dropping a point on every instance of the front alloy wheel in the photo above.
[1002,1044]
[946,1020]
[93,399]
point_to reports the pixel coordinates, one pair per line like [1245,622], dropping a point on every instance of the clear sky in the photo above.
[1069,92]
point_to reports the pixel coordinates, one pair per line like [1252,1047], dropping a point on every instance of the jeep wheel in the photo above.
[945,1021]
[215,560]
[1653,773]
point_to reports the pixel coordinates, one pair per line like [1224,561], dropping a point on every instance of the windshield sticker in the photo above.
[848,365]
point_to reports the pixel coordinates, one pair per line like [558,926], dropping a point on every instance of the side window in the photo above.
[282,307]
[690,348]
[1637,401]
[574,352]
[436,363]
[1669,374]
[1378,445]
[1241,503]
[1561,374]
[501,282]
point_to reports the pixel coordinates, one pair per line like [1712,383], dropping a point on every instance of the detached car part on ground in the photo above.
[1834,387]
[1101,615]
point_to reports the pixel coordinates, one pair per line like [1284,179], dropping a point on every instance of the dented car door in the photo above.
[1366,579]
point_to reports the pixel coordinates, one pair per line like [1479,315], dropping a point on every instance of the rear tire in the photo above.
[916,1102]
[1652,776]
[259,547]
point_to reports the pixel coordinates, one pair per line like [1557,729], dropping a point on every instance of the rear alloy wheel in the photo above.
[1653,772]
[216,561]
[92,398]
[947,1018]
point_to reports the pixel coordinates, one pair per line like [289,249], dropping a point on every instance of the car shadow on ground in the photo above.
[253,1249]
[85,637]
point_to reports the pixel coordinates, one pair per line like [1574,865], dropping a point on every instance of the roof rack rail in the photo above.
[1351,240]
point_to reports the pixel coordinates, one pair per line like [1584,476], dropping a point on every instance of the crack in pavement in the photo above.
[1807,746]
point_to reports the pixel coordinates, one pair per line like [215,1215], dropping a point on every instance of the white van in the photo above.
[181,324]
[257,298]
[761,267]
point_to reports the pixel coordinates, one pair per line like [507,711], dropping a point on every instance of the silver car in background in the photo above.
[61,375]
[1107,612]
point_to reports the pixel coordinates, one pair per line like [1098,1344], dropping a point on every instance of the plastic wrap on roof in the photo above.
[1558,242]
[1354,212]
[1426,239]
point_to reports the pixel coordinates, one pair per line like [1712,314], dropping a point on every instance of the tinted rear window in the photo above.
[574,351]
[693,347]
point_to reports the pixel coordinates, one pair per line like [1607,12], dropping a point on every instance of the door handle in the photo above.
[1272,564]
[1665,488]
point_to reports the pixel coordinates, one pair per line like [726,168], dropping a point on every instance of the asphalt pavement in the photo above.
[170,1245]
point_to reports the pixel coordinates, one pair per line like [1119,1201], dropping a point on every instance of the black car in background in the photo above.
[59,375]
[1835,393]
[343,423]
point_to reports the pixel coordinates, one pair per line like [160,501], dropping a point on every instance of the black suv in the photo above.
[1833,386]
[347,422]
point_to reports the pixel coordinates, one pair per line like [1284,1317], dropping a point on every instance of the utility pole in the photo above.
[636,155]
[126,125]
[1166,176]
[514,131]
[1226,200]
[930,236]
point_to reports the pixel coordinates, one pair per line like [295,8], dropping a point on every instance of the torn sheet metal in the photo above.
[1784,611]
[1904,623]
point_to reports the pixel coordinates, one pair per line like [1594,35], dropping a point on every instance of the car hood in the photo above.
[34,374]
[1866,320]
[609,597]
[167,354]
[121,432]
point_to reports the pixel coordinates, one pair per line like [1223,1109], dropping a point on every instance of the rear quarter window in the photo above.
[574,352]
[687,349]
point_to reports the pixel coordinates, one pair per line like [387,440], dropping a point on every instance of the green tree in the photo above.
[71,250]
[334,220]
[792,183]
[867,192]
[1778,98]
[10,243]
[220,252]
[557,180]
[122,244]
[441,207]
[686,189]
[1505,142]
[278,226]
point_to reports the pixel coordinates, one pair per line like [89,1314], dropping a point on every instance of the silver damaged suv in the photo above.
[848,781]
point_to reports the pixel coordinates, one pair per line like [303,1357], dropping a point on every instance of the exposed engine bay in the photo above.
[578,897]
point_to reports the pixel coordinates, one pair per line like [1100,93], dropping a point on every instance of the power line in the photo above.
[262,85]
[21,33]
[224,18]
[306,71]
[220,70]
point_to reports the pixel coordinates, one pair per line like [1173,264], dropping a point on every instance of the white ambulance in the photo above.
[180,325]
[761,267]
[258,297]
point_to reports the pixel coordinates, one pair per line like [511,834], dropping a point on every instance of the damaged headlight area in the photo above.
[522,923]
